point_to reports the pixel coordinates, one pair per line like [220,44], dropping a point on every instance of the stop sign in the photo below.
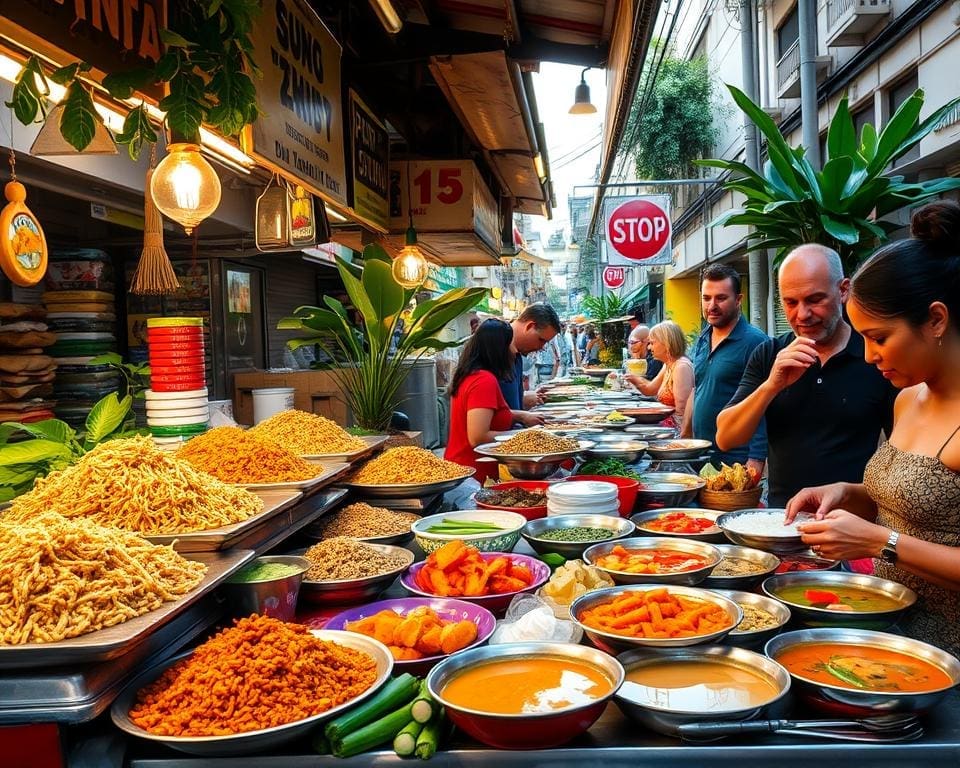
[614,277]
[638,229]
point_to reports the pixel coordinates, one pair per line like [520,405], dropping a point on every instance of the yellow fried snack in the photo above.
[571,580]
[735,478]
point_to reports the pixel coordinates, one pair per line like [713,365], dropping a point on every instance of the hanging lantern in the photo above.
[185,187]
[272,228]
[303,221]
[23,246]
[410,268]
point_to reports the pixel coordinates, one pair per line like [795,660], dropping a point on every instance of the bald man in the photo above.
[637,344]
[824,405]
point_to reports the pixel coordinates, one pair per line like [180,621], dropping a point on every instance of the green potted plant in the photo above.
[371,360]
[791,203]
[603,310]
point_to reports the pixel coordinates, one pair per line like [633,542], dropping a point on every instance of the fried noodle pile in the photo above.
[307,434]
[234,455]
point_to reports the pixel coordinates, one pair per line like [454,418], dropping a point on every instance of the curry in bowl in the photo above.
[527,685]
[837,597]
[863,668]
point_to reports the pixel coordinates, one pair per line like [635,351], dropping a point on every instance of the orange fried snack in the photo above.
[458,570]
[259,673]
[656,614]
[419,634]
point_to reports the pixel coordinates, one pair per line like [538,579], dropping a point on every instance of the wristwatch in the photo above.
[889,551]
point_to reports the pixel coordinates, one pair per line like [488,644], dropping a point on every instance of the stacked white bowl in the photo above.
[580,497]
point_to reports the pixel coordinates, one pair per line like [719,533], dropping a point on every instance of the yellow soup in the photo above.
[863,667]
[526,684]
[697,686]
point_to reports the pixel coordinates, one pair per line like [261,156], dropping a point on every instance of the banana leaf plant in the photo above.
[842,206]
[603,308]
[373,368]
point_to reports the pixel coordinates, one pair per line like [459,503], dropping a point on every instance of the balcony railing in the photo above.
[848,21]
[836,9]
[788,65]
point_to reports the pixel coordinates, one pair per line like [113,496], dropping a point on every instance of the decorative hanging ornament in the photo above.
[185,187]
[154,274]
[272,229]
[23,246]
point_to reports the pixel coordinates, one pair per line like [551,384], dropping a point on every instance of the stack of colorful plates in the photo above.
[177,405]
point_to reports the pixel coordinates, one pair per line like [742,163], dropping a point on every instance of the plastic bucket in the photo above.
[267,402]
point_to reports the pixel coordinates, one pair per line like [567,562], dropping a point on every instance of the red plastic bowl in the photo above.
[534,730]
[531,513]
[627,489]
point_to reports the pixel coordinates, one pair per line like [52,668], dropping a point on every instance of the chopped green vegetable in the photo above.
[400,690]
[373,734]
[424,706]
[320,743]
[429,737]
[845,675]
[405,742]
[610,467]
[553,559]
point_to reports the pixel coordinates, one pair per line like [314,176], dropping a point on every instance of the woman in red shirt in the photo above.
[478,411]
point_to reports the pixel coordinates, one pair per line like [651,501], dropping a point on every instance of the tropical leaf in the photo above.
[106,416]
[841,136]
[29,92]
[898,128]
[79,119]
[137,129]
[32,452]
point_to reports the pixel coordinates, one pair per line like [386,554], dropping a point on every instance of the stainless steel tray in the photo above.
[373,442]
[274,502]
[80,693]
[406,490]
[109,643]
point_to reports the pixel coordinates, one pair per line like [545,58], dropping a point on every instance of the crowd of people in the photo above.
[854,414]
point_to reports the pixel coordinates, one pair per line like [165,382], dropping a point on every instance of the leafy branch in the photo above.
[207,65]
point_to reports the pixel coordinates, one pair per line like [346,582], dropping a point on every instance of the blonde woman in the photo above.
[673,384]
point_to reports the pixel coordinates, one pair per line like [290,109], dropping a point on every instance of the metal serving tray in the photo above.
[274,502]
[79,694]
[331,471]
[109,643]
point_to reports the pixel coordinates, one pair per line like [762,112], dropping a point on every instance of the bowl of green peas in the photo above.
[570,535]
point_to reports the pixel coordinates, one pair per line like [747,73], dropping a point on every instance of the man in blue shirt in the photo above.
[720,356]
[535,327]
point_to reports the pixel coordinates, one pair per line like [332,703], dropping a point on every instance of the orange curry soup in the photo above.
[527,684]
[863,667]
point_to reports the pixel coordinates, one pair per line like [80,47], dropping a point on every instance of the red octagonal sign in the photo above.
[638,229]
[614,277]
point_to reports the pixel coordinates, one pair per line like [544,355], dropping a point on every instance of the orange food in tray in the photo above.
[458,570]
[656,613]
[418,634]
[650,560]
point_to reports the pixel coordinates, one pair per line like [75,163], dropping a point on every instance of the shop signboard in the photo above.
[443,196]
[369,145]
[110,36]
[614,277]
[300,134]
[638,230]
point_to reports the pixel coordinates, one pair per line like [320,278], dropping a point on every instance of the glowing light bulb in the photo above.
[409,267]
[184,186]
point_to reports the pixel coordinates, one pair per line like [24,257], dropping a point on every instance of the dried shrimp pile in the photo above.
[234,455]
[307,434]
[61,578]
[408,465]
[133,485]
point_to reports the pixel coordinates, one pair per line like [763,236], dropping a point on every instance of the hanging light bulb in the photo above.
[184,186]
[581,99]
[410,268]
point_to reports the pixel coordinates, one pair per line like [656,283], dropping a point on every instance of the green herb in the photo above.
[610,467]
[553,559]
[845,675]
[424,707]
[400,690]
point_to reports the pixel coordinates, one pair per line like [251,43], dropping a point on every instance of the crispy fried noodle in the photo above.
[133,485]
[62,578]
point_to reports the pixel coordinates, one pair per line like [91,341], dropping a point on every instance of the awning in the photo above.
[452,249]
[530,258]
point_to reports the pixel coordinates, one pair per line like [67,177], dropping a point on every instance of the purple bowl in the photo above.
[493,603]
[445,607]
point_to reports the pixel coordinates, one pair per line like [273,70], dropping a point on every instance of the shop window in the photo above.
[896,95]
[788,32]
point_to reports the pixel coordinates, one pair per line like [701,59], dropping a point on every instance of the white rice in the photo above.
[765,524]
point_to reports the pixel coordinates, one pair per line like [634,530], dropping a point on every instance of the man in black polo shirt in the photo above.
[824,405]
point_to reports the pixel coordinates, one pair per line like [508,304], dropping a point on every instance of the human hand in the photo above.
[755,468]
[529,419]
[819,501]
[841,535]
[533,399]
[792,362]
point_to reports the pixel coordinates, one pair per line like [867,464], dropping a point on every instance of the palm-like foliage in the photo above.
[603,308]
[790,202]
[372,373]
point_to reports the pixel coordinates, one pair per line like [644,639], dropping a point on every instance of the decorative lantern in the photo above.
[272,228]
[185,187]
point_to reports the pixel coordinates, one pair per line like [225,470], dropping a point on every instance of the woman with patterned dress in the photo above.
[674,382]
[905,302]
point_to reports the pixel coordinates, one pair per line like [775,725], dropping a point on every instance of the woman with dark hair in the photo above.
[905,302]
[478,410]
